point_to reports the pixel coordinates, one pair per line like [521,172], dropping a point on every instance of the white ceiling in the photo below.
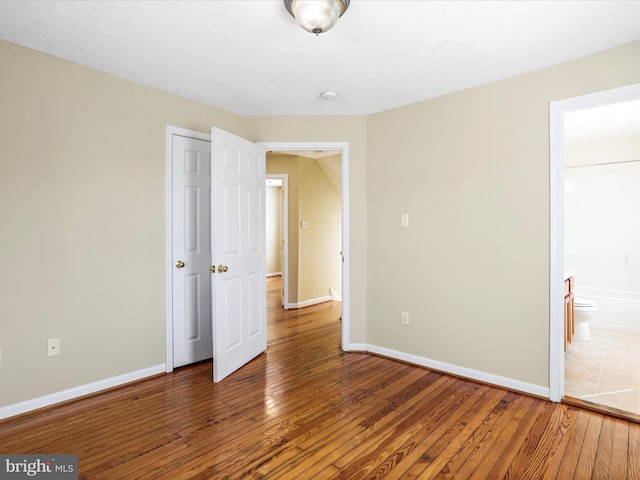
[613,120]
[250,57]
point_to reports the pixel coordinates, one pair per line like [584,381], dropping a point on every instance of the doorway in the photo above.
[278,231]
[342,149]
[560,111]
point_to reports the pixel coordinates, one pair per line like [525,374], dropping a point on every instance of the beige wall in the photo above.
[472,171]
[82,205]
[314,254]
[278,163]
[320,263]
[82,198]
[274,229]
[82,202]
[82,189]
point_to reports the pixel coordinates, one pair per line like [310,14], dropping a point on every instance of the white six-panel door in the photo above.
[191,178]
[238,234]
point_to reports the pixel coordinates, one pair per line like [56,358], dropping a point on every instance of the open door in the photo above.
[239,258]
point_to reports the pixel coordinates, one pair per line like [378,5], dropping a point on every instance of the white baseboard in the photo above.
[308,303]
[458,371]
[70,394]
[334,295]
[53,398]
[357,347]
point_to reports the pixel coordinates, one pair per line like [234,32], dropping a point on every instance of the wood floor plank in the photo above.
[407,435]
[533,458]
[379,426]
[306,409]
[517,445]
[559,445]
[352,436]
[584,468]
[619,450]
[327,422]
[425,463]
[470,452]
[602,466]
[633,456]
[414,456]
[574,446]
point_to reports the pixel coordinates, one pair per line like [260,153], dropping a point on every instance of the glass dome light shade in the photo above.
[316,16]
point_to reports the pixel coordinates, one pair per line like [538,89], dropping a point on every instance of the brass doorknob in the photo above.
[222,268]
[179,264]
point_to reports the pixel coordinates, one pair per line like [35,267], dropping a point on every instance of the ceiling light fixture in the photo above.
[316,16]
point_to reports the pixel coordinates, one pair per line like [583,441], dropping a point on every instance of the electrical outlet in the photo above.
[404,318]
[53,347]
[404,220]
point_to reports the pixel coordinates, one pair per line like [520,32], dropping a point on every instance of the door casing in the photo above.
[169,132]
[557,110]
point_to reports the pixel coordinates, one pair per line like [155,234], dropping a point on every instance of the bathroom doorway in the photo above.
[595,170]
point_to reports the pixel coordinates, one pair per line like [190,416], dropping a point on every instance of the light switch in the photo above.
[404,221]
[303,225]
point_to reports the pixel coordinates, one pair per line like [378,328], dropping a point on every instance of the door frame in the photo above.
[170,131]
[285,234]
[343,148]
[557,110]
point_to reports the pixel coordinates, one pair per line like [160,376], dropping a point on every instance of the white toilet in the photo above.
[583,309]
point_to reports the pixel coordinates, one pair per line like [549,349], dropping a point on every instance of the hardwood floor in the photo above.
[305,409]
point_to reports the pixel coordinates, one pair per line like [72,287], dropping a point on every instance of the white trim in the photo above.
[170,131]
[334,295]
[464,372]
[313,301]
[70,394]
[285,235]
[556,254]
[557,111]
[343,147]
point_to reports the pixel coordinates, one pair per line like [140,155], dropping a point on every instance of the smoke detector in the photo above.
[329,95]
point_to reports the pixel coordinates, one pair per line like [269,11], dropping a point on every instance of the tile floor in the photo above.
[605,370]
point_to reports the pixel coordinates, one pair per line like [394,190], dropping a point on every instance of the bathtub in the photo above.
[614,313]
[613,281]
